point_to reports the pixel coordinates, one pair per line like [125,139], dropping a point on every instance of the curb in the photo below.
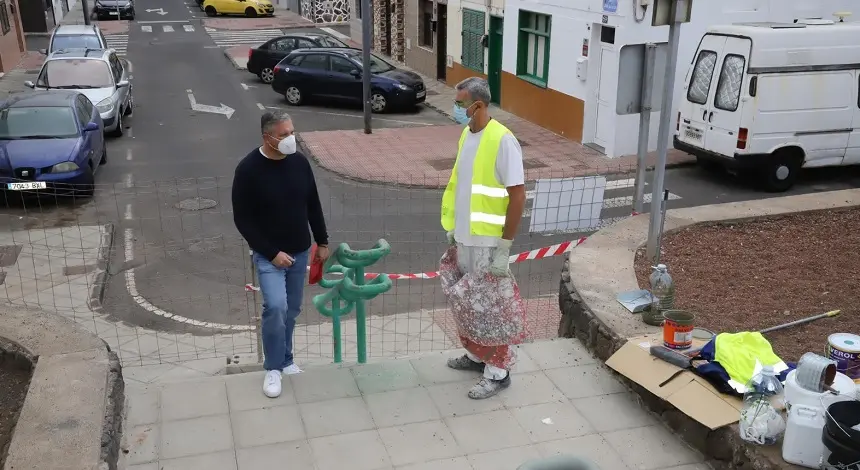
[233,61]
[589,325]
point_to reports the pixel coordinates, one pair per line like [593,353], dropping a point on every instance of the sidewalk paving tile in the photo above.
[421,424]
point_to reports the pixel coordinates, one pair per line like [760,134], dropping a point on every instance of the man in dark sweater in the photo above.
[275,200]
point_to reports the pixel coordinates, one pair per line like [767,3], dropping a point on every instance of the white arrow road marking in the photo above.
[131,286]
[146,29]
[205,108]
[160,11]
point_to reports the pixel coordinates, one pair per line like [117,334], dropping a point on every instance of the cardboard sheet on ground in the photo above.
[688,392]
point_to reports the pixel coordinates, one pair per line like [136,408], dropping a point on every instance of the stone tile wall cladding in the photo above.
[326,11]
[419,56]
[391,12]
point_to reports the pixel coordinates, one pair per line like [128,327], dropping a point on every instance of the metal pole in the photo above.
[664,204]
[258,326]
[366,38]
[644,125]
[360,319]
[86,8]
[656,221]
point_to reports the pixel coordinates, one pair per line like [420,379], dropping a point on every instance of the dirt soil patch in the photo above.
[14,383]
[751,275]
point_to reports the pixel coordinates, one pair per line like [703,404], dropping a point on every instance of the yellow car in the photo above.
[249,8]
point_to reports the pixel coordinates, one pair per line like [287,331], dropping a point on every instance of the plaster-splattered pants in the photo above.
[488,310]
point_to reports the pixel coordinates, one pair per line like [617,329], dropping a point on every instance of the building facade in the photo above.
[426,28]
[556,63]
[325,11]
[12,43]
[475,35]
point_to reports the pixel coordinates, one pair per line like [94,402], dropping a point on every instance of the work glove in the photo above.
[451,240]
[500,265]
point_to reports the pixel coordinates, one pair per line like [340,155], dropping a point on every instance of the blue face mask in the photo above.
[460,115]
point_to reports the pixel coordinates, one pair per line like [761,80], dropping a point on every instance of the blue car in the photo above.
[335,73]
[51,142]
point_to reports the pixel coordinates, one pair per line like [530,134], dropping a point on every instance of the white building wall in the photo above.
[455,23]
[575,20]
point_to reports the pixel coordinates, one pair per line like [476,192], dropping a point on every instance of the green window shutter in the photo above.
[473,31]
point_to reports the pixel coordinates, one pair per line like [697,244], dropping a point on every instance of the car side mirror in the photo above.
[122,84]
[43,51]
[29,84]
[91,126]
[355,73]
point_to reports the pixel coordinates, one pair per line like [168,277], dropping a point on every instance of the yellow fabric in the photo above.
[738,353]
[489,201]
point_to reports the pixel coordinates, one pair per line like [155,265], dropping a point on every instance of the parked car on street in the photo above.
[263,59]
[119,9]
[98,74]
[249,8]
[50,142]
[336,73]
[76,36]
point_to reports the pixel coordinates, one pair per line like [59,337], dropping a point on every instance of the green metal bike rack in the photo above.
[351,291]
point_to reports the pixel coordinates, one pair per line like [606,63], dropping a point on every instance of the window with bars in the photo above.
[4,18]
[533,47]
[425,23]
[474,26]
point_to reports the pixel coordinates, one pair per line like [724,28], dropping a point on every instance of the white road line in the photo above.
[163,21]
[188,28]
[128,215]
[610,185]
[130,135]
[131,286]
[167,28]
[128,181]
[336,34]
[128,154]
[628,200]
[243,37]
[146,28]
[260,105]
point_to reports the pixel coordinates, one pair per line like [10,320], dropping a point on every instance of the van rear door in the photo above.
[694,109]
[724,114]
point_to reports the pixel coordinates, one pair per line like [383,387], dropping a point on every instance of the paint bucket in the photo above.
[844,348]
[815,373]
[678,329]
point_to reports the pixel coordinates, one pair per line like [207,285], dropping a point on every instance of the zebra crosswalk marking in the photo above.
[244,37]
[608,204]
[118,42]
[168,28]
[188,28]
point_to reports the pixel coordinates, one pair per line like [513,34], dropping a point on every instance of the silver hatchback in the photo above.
[97,73]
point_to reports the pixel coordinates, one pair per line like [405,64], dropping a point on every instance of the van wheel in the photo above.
[781,171]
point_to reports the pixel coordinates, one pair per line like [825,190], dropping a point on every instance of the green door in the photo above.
[494,59]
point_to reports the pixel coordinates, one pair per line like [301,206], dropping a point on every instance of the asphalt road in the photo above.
[166,189]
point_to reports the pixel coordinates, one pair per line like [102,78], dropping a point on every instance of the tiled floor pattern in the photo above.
[405,414]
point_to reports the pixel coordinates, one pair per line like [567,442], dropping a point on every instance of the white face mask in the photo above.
[287,145]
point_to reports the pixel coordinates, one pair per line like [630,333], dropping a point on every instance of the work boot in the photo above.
[464,363]
[487,388]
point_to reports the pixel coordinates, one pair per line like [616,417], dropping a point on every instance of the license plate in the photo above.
[420,94]
[693,134]
[113,13]
[26,186]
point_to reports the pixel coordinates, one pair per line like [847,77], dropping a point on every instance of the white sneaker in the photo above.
[272,384]
[292,369]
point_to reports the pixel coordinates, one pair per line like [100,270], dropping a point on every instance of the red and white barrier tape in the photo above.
[540,253]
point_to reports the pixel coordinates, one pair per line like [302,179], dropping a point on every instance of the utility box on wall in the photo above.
[582,68]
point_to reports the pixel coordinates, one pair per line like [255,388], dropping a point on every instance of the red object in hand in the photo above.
[316,267]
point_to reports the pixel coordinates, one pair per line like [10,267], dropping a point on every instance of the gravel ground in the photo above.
[14,382]
[752,275]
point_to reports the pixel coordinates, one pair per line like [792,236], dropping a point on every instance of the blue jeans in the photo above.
[282,290]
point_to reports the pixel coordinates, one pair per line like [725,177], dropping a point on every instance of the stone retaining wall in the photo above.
[72,415]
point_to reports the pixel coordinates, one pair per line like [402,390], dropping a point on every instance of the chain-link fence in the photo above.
[159,271]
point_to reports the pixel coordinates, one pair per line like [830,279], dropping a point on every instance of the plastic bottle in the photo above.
[761,421]
[662,293]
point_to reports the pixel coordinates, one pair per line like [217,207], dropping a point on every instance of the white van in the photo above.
[774,98]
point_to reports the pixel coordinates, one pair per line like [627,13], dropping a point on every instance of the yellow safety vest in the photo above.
[489,201]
